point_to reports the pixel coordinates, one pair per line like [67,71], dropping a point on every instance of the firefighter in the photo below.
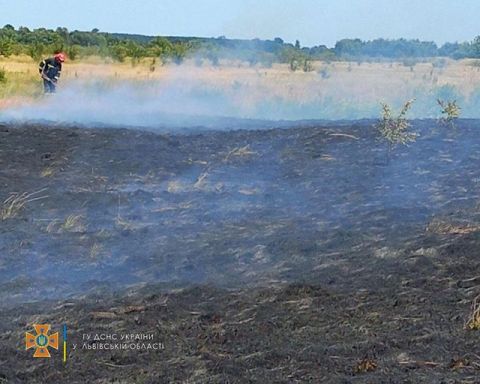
[50,70]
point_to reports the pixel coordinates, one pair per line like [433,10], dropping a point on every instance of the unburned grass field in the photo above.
[332,90]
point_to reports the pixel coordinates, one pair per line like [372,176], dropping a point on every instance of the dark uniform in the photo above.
[50,69]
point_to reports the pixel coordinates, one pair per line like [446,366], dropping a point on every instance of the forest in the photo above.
[77,44]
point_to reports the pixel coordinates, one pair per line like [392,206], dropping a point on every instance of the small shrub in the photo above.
[440,63]
[294,65]
[410,62]
[307,66]
[324,73]
[152,66]
[450,111]
[3,75]
[395,129]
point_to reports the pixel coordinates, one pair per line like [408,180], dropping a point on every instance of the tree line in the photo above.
[38,42]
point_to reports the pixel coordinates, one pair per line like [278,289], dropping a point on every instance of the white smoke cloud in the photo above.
[187,96]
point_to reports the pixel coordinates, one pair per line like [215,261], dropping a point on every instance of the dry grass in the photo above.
[175,186]
[47,172]
[364,84]
[52,226]
[95,250]
[473,322]
[123,224]
[16,202]
[73,223]
[445,228]
[240,152]
[53,167]
[200,183]
[366,365]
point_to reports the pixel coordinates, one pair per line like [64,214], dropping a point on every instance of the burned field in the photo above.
[293,254]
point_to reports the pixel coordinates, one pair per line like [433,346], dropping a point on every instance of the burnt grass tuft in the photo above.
[279,255]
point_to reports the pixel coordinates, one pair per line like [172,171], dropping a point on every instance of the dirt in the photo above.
[296,254]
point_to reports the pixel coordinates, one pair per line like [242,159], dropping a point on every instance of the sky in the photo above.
[311,22]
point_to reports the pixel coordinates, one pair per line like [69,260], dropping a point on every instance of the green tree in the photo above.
[63,35]
[6,46]
[476,46]
[119,52]
[35,51]
[161,48]
[349,47]
[180,51]
[135,51]
[72,52]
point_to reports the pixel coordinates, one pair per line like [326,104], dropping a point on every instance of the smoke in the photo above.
[279,181]
[127,104]
[182,97]
[190,96]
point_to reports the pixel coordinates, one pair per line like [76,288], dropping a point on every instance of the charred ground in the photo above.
[293,254]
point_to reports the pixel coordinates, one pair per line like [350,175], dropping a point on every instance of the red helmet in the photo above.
[60,57]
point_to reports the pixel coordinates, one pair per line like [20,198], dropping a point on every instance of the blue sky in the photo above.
[312,22]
